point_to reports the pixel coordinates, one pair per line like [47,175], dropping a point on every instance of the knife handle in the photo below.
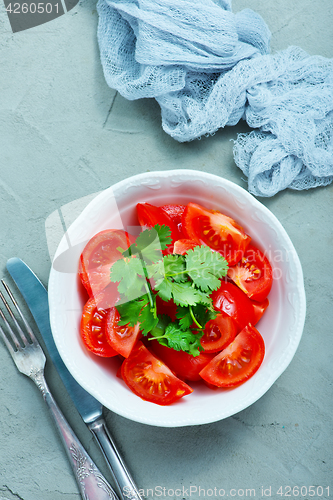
[92,484]
[126,486]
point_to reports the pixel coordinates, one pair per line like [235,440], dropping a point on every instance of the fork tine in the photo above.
[26,324]
[10,331]
[5,339]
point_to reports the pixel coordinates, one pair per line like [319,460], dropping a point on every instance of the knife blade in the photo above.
[91,410]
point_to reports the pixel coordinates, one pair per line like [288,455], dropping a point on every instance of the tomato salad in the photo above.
[178,303]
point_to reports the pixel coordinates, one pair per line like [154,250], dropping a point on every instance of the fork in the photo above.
[30,360]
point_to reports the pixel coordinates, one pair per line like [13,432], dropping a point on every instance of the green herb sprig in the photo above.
[143,273]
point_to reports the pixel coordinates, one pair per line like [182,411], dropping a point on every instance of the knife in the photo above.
[36,297]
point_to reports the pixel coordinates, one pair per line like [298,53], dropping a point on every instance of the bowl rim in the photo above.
[184,174]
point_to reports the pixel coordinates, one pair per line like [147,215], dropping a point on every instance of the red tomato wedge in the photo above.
[150,379]
[219,332]
[98,256]
[238,362]
[253,274]
[93,325]
[183,245]
[121,338]
[259,309]
[218,231]
[231,300]
[150,215]
[175,212]
[184,365]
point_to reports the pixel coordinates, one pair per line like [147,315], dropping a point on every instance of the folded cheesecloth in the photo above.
[209,68]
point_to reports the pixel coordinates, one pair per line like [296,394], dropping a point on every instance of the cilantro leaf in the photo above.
[195,348]
[203,314]
[149,246]
[181,340]
[175,267]
[130,311]
[130,275]
[170,265]
[185,317]
[183,294]
[197,316]
[147,319]
[159,328]
[155,271]
[164,234]
[164,289]
[150,243]
[138,311]
[205,267]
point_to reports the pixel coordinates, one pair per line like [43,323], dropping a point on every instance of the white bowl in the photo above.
[281,325]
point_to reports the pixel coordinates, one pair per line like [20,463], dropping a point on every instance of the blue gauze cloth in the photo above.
[208,67]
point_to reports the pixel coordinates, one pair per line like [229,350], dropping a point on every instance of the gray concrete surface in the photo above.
[58,142]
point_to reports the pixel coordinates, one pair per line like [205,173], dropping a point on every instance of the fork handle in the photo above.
[126,486]
[92,484]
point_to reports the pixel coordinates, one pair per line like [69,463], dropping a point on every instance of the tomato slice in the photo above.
[150,215]
[93,325]
[121,338]
[219,332]
[183,245]
[218,231]
[253,274]
[259,309]
[184,365]
[175,212]
[231,300]
[150,379]
[238,362]
[98,256]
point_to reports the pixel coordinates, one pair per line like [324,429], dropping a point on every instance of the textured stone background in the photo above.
[59,141]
